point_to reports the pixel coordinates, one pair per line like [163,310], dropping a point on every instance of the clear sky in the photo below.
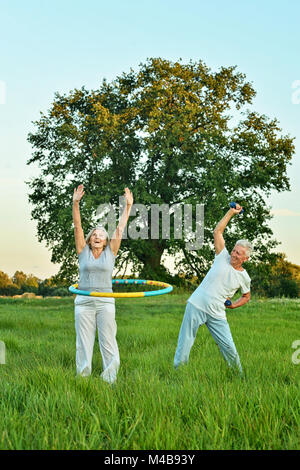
[59,45]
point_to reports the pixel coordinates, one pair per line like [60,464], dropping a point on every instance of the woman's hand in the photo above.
[78,193]
[128,197]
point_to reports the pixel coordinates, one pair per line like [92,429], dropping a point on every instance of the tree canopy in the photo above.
[174,133]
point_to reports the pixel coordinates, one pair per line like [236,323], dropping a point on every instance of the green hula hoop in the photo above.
[166,288]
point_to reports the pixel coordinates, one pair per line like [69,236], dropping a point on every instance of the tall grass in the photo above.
[202,405]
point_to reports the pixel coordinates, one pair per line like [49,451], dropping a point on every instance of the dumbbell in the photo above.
[227,303]
[233,205]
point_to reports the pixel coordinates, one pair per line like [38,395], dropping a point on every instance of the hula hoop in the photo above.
[166,289]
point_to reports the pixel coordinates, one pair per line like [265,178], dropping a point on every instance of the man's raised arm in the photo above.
[220,227]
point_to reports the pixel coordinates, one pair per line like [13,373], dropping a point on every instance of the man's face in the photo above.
[238,255]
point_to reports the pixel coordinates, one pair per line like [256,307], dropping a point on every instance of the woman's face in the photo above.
[98,239]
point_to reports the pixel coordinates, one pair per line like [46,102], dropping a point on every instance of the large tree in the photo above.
[175,134]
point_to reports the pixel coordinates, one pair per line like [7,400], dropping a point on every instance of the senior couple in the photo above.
[96,255]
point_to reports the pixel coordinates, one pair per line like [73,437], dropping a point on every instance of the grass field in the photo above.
[152,406]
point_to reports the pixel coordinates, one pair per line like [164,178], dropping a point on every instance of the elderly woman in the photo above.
[96,254]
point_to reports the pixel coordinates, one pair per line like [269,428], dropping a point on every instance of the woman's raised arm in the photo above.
[117,236]
[78,232]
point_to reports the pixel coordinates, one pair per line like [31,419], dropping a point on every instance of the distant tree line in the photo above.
[21,282]
[275,277]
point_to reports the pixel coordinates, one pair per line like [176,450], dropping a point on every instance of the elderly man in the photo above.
[207,303]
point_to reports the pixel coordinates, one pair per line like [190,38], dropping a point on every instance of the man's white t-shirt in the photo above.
[221,281]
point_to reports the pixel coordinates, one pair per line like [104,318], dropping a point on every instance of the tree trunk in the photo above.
[151,259]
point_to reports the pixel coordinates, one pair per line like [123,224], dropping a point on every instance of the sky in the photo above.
[51,46]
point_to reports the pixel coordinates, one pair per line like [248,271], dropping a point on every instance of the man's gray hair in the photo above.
[247,245]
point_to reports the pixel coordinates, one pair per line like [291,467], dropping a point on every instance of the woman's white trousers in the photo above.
[92,314]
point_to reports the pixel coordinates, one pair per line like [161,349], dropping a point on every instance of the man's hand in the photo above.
[236,210]
[241,301]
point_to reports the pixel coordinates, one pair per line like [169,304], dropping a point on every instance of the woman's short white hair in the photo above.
[247,245]
[99,227]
